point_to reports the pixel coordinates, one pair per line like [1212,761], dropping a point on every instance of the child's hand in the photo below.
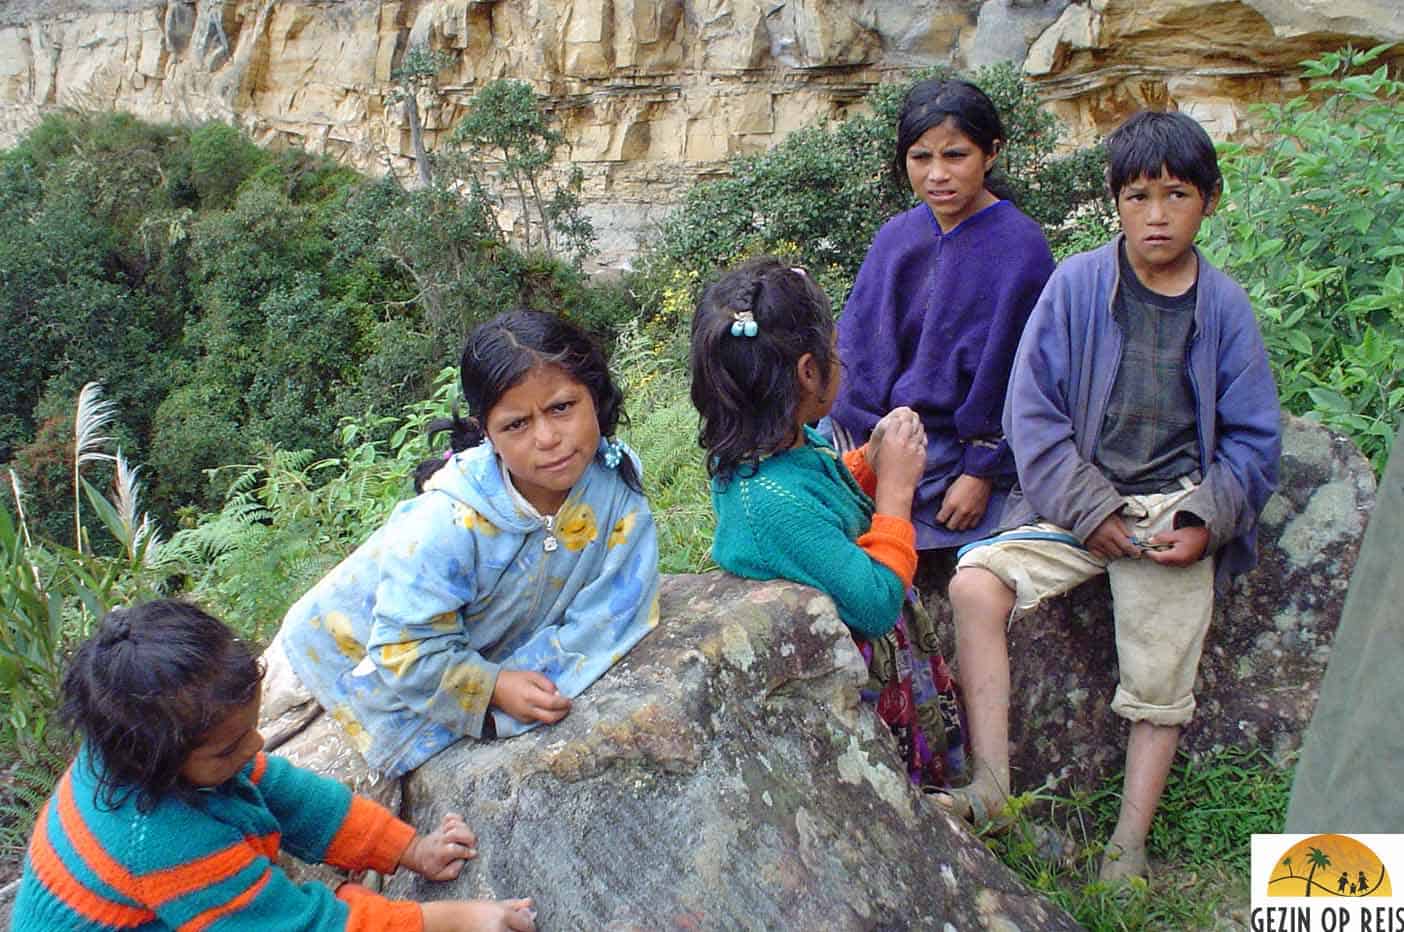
[440,855]
[965,502]
[1187,545]
[479,916]
[529,697]
[897,447]
[1111,541]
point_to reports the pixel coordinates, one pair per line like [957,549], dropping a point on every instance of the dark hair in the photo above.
[147,687]
[1152,143]
[931,103]
[500,352]
[746,389]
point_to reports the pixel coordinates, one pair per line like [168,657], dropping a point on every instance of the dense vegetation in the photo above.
[271,333]
[231,300]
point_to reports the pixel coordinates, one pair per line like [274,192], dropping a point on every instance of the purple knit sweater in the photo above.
[932,323]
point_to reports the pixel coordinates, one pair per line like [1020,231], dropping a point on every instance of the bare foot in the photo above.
[1120,863]
[981,806]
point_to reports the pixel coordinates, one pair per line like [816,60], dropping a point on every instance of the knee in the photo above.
[976,594]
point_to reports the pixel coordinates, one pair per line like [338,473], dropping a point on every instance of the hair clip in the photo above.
[448,454]
[799,270]
[614,452]
[744,324]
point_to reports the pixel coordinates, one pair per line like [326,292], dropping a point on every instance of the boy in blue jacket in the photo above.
[1145,426]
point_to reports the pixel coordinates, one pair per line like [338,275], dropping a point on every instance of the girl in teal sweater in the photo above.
[172,817]
[764,366]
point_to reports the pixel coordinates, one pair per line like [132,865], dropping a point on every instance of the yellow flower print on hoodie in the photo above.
[575,525]
[397,657]
[472,520]
[622,528]
[339,627]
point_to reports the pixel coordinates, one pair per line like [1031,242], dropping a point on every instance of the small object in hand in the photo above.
[1142,543]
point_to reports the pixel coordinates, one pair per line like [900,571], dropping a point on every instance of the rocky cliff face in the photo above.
[651,94]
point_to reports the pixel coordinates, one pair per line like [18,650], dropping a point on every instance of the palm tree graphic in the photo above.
[1316,858]
[1287,863]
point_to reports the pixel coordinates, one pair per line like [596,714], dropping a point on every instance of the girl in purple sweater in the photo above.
[937,309]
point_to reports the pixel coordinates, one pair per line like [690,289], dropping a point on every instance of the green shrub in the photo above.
[1309,225]
[290,516]
[221,158]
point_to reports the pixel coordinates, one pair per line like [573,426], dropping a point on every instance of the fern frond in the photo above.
[31,780]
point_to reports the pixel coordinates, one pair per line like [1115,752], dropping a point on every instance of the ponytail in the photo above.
[464,434]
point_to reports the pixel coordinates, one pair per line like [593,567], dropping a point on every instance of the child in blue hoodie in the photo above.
[527,566]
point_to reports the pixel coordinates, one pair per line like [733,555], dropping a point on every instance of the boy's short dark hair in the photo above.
[1154,142]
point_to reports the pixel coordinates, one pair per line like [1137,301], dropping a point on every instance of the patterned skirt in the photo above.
[917,699]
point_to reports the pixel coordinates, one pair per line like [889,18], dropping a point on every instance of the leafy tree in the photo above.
[418,72]
[505,133]
[221,158]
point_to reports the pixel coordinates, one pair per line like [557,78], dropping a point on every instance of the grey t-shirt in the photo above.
[1148,439]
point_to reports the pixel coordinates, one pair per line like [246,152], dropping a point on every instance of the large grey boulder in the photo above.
[1263,659]
[722,776]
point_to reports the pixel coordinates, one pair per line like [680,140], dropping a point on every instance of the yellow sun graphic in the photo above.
[1328,865]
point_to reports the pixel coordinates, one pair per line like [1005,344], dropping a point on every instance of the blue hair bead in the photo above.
[750,328]
[744,324]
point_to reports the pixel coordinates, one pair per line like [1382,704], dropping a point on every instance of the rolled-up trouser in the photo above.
[1161,612]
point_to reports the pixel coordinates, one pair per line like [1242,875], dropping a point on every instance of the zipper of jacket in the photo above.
[549,545]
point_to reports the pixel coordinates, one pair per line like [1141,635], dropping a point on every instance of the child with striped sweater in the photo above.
[171,817]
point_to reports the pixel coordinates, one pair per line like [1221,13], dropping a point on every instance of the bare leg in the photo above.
[1150,752]
[981,604]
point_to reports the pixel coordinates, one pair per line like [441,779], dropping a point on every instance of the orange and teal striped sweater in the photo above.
[211,863]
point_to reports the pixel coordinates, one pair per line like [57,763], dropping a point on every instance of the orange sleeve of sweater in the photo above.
[371,912]
[891,541]
[369,837]
[857,463]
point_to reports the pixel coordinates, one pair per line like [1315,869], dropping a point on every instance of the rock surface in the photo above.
[651,96]
[722,776]
[1263,659]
